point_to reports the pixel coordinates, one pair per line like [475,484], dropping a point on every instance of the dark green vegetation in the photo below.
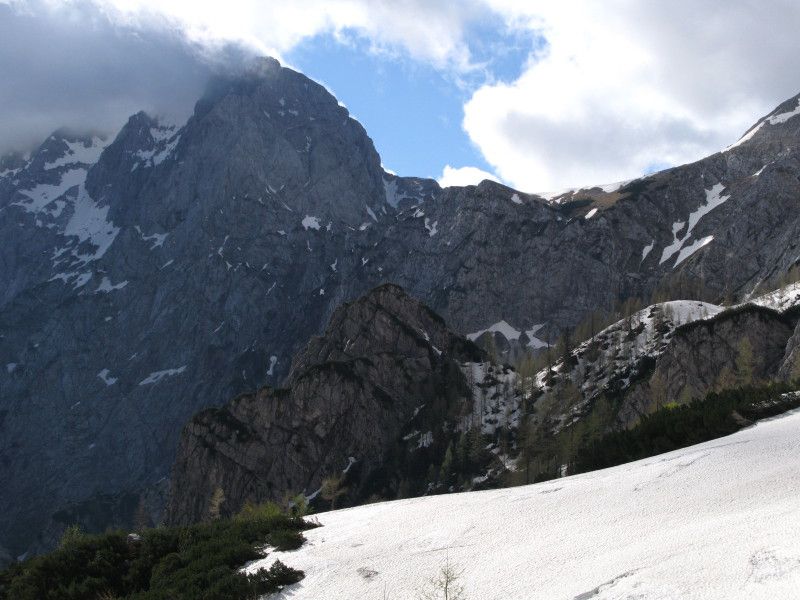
[198,562]
[673,426]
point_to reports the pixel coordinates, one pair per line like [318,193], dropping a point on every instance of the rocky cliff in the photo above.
[670,353]
[386,365]
[146,277]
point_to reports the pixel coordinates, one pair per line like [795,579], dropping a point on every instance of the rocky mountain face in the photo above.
[147,277]
[671,352]
[736,346]
[385,367]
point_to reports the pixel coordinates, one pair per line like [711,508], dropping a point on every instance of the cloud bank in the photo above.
[70,65]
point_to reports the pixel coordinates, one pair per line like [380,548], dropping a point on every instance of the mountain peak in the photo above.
[264,66]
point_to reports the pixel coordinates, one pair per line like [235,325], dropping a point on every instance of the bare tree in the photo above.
[445,585]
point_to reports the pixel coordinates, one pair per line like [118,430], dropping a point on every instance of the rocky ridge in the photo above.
[385,369]
[671,352]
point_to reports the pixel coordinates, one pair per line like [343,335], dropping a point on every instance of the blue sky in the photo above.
[412,110]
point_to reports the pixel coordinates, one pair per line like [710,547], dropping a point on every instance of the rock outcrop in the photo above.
[671,353]
[385,362]
[736,347]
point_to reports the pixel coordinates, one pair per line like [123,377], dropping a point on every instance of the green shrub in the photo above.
[674,426]
[200,561]
[267,510]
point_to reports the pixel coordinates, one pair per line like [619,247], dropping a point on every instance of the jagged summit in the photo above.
[264,66]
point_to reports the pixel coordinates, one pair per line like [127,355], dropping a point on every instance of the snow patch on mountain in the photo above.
[106,286]
[501,327]
[105,375]
[157,376]
[165,140]
[694,247]
[42,194]
[555,197]
[310,222]
[533,341]
[79,152]
[564,195]
[157,238]
[613,187]
[89,222]
[746,137]
[781,299]
[676,242]
[512,334]
[390,190]
[773,120]
[714,198]
[273,360]
[431,227]
[646,250]
[616,353]
[783,117]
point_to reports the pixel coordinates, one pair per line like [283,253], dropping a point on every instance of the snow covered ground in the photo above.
[781,299]
[717,520]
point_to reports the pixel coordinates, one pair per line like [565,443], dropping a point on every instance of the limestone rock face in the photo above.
[383,361]
[702,354]
[790,367]
[147,277]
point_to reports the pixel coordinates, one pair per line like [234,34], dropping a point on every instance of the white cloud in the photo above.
[623,85]
[431,31]
[462,176]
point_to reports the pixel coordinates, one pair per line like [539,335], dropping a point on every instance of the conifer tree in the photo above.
[745,363]
[658,388]
[446,470]
[215,504]
[331,489]
[726,379]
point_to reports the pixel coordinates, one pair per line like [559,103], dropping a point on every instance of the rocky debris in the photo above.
[384,361]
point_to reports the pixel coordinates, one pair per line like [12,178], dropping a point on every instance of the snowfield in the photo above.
[717,520]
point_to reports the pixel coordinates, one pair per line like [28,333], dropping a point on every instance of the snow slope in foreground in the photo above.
[717,520]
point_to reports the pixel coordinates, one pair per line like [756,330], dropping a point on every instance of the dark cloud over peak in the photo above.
[72,67]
